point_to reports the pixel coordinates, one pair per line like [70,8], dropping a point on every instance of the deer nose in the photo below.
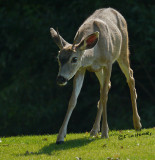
[61,80]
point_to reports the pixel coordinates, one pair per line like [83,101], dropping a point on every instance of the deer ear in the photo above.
[58,39]
[89,42]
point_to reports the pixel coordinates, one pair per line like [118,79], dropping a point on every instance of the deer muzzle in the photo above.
[61,81]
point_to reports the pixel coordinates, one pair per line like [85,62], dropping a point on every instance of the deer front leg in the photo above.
[96,126]
[77,85]
[104,98]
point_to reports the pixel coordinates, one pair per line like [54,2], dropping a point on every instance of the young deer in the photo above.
[100,41]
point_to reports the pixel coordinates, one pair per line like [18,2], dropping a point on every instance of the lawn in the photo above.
[123,145]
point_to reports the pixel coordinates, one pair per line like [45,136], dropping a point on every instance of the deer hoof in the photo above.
[93,133]
[59,142]
[104,135]
[138,127]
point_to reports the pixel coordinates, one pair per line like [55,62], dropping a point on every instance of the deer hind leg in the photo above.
[128,72]
[96,126]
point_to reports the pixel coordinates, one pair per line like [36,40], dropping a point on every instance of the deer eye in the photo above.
[74,60]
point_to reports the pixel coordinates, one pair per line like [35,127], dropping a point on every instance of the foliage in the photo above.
[81,146]
[30,100]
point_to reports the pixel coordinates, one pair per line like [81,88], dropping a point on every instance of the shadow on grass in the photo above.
[52,148]
[67,145]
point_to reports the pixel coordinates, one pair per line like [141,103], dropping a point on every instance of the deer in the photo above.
[100,41]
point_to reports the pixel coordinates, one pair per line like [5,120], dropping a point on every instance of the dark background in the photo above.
[30,100]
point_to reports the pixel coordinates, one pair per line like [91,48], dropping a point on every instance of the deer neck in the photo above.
[87,58]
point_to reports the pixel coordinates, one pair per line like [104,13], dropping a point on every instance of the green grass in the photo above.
[81,146]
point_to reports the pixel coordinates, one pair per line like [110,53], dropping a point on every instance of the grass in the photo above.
[123,145]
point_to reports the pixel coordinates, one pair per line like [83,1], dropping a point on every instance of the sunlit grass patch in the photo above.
[124,145]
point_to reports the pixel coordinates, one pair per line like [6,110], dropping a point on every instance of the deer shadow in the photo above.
[65,146]
[53,147]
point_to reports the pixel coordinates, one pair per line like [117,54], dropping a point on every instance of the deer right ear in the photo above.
[58,39]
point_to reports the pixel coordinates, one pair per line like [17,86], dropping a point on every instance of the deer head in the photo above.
[70,55]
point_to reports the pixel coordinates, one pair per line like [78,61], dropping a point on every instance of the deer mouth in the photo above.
[62,84]
[61,81]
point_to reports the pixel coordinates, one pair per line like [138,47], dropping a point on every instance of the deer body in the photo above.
[98,57]
[100,41]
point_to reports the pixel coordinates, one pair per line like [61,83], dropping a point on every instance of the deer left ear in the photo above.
[89,42]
